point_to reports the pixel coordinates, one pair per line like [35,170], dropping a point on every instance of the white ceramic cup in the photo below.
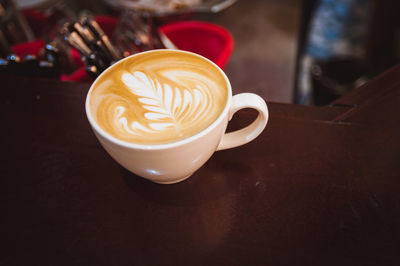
[174,162]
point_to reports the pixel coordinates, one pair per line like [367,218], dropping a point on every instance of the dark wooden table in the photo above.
[321,186]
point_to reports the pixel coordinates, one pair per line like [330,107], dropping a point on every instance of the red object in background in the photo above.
[108,24]
[25,48]
[78,75]
[38,21]
[206,39]
[209,40]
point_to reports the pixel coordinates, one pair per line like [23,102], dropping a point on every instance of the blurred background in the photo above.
[292,51]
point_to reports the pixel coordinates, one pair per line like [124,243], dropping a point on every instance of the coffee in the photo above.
[158,97]
[161,97]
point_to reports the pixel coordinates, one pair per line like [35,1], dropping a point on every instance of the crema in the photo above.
[158,97]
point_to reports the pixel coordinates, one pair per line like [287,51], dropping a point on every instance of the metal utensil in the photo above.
[96,50]
[101,36]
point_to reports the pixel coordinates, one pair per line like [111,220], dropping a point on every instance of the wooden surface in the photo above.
[319,187]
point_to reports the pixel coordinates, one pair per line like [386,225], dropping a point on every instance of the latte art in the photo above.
[158,99]
[167,107]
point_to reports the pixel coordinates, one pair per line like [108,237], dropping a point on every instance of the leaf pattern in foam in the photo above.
[135,126]
[163,102]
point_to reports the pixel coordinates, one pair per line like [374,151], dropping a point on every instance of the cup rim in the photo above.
[168,145]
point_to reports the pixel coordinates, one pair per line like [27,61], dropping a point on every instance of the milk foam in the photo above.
[159,99]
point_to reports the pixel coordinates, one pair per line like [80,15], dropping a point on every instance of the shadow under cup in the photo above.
[171,161]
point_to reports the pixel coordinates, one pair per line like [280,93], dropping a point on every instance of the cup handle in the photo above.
[247,134]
